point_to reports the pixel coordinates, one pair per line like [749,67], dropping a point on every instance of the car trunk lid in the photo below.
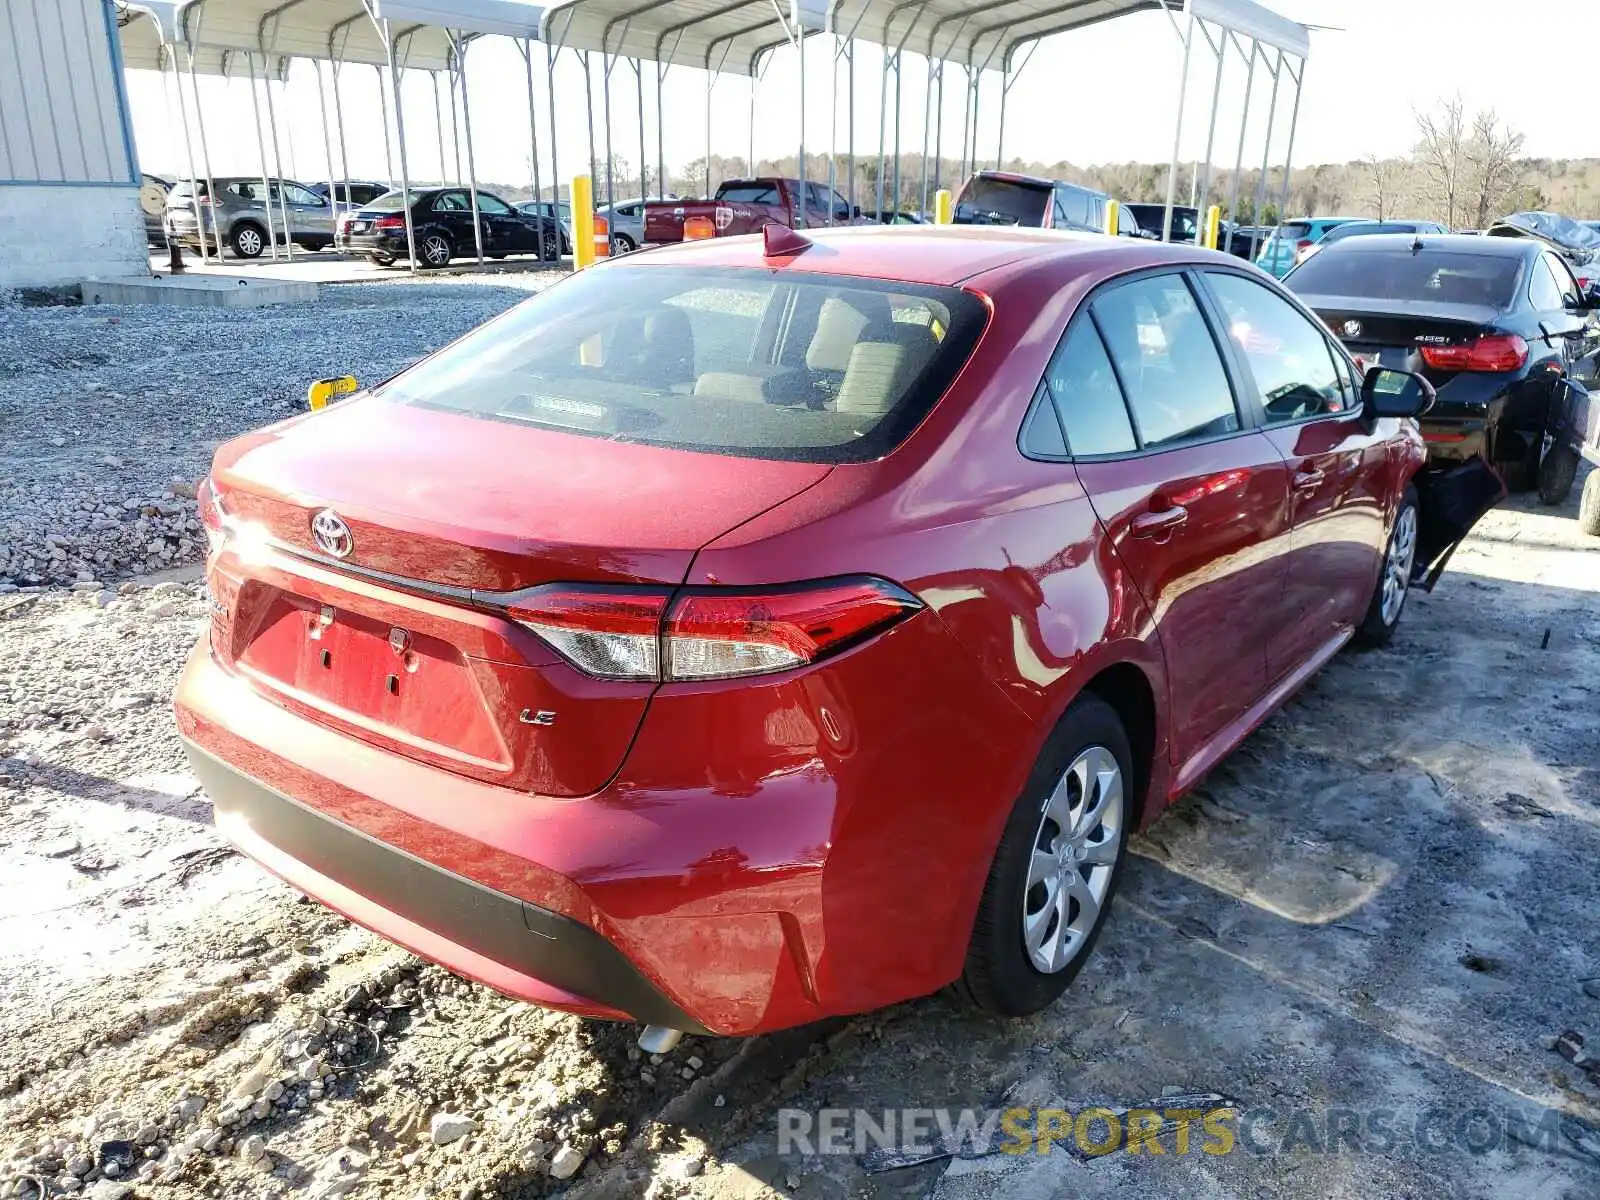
[1392,335]
[403,642]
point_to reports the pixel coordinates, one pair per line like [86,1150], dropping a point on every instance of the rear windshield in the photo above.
[749,193]
[389,202]
[1444,277]
[1001,202]
[1357,229]
[1292,231]
[814,368]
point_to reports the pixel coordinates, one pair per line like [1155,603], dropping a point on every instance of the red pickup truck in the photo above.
[745,205]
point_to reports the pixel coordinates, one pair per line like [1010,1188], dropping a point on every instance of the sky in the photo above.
[1103,94]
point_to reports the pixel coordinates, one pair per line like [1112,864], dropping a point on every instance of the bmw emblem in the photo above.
[1351,328]
[332,534]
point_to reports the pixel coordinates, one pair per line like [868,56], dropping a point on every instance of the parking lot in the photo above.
[1383,903]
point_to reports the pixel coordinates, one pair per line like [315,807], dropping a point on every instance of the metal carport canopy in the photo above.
[732,35]
[342,30]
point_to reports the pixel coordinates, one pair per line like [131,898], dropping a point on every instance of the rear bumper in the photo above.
[761,861]
[440,915]
[372,243]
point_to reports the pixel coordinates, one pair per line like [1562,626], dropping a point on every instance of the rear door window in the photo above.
[1165,359]
[1083,385]
[809,367]
[1288,356]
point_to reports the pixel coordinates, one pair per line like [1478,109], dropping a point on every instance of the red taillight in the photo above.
[395,222]
[709,633]
[1303,244]
[1495,352]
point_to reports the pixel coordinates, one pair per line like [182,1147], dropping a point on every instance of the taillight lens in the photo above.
[722,634]
[605,632]
[209,505]
[395,222]
[709,633]
[1303,244]
[1495,352]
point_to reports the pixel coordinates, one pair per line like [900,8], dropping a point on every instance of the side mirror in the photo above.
[1591,295]
[855,212]
[1386,392]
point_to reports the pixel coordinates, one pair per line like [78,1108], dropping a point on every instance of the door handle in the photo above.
[1160,524]
[1308,481]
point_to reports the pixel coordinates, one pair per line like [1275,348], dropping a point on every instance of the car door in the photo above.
[1341,468]
[504,232]
[1194,500]
[1566,324]
[310,216]
[453,212]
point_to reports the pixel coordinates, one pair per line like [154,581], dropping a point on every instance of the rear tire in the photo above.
[1589,506]
[1394,579]
[621,243]
[435,250]
[247,239]
[1556,473]
[1053,880]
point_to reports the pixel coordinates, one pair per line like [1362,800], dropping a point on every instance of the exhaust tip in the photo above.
[659,1039]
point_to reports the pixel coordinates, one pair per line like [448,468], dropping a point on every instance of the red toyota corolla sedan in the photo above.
[757,630]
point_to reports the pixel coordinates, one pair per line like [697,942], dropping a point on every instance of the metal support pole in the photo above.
[966,118]
[1211,131]
[711,82]
[588,101]
[1288,154]
[205,161]
[277,163]
[1244,124]
[938,126]
[644,184]
[526,46]
[438,123]
[833,123]
[883,113]
[850,124]
[327,153]
[338,120]
[1000,138]
[927,98]
[750,163]
[977,100]
[1177,130]
[261,145]
[400,140]
[383,106]
[894,201]
[801,219]
[661,133]
[1266,150]
[188,147]
[607,62]
[555,164]
[458,49]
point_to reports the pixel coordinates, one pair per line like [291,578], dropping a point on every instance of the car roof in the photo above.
[938,255]
[1505,247]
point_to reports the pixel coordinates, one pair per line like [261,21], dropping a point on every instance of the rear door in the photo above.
[504,231]
[1341,469]
[1195,501]
[1556,296]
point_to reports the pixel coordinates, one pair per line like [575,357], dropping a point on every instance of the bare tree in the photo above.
[1442,155]
[1383,177]
[1493,153]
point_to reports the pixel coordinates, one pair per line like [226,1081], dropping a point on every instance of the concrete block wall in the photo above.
[54,234]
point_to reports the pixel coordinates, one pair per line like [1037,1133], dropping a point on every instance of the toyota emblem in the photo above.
[1352,329]
[332,534]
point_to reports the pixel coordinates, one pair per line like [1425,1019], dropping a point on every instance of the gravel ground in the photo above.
[1385,901]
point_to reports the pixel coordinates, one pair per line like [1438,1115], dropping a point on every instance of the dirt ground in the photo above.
[1385,902]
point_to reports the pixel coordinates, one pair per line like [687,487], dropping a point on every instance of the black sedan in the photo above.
[441,220]
[1495,324]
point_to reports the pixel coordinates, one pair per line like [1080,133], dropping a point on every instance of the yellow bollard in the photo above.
[582,222]
[943,208]
[1113,211]
[1213,226]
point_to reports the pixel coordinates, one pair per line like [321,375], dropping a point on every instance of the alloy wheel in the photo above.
[1074,857]
[1397,564]
[435,250]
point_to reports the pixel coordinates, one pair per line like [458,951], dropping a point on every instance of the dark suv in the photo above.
[1004,198]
